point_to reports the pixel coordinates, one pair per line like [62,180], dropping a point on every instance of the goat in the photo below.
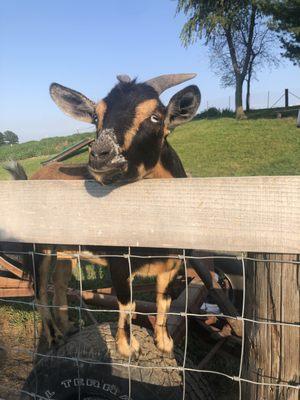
[132,126]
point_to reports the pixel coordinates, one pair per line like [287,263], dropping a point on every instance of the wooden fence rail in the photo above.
[259,214]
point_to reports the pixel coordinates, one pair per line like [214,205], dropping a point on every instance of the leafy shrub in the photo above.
[214,112]
[227,113]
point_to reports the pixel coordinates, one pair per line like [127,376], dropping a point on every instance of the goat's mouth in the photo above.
[108,175]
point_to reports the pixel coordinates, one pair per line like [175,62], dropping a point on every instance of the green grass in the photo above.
[42,147]
[219,147]
[33,164]
[226,147]
[18,313]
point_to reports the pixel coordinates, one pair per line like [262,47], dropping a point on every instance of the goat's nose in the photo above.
[101,149]
[102,153]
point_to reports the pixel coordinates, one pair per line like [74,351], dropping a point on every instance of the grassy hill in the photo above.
[216,147]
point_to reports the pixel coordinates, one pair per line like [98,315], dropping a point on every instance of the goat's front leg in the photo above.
[163,300]
[127,344]
[61,278]
[52,332]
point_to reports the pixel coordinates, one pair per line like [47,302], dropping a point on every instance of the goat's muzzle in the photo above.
[106,163]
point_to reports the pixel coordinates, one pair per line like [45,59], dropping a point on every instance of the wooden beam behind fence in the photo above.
[260,214]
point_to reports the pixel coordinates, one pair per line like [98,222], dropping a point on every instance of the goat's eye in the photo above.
[154,118]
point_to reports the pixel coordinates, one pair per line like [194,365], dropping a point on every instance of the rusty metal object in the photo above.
[197,293]
[70,151]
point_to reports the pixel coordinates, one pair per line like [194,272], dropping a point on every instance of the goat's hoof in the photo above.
[164,343]
[135,346]
[127,350]
[58,339]
[53,335]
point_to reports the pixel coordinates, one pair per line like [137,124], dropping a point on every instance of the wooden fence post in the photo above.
[271,352]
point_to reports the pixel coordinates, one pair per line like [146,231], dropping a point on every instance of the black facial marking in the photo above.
[122,102]
[146,145]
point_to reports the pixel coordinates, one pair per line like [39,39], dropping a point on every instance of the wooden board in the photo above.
[260,214]
[14,283]
[9,266]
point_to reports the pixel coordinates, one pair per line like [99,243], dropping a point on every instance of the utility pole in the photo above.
[286,96]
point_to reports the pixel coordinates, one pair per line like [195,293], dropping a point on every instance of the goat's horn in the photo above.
[164,82]
[124,78]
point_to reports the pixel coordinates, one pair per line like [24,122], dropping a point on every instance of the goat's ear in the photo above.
[183,106]
[73,103]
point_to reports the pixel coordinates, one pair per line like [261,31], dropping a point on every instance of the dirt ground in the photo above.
[16,360]
[18,340]
[20,336]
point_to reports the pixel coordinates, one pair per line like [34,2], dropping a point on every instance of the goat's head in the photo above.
[131,122]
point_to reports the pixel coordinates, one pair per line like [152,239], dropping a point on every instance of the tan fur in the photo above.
[158,172]
[100,111]
[61,278]
[124,347]
[157,268]
[42,300]
[166,130]
[142,112]
[72,254]
[163,340]
[60,171]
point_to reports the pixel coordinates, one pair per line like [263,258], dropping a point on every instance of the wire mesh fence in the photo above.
[258,100]
[149,374]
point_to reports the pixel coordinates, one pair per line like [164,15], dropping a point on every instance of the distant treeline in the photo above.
[281,112]
[8,137]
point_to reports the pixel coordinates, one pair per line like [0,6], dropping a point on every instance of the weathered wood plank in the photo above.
[9,266]
[16,292]
[259,214]
[14,283]
[271,353]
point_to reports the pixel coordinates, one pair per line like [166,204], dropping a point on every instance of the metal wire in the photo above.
[186,325]
[79,312]
[130,323]
[243,329]
[185,314]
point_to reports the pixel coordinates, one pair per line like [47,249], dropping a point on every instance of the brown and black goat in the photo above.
[132,127]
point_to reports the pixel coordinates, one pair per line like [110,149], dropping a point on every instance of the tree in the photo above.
[262,53]
[10,137]
[285,21]
[228,27]
[1,139]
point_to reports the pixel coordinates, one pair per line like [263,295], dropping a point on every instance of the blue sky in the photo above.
[85,44]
